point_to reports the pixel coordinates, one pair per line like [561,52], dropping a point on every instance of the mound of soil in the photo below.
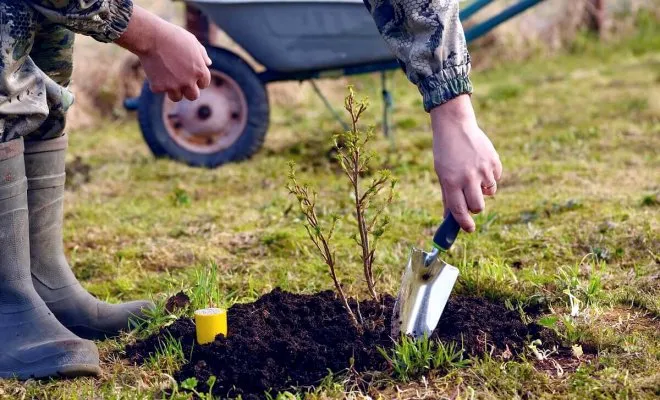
[284,340]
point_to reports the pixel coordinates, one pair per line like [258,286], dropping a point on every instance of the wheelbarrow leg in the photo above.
[387,107]
[329,106]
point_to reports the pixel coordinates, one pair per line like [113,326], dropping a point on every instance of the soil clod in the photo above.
[179,301]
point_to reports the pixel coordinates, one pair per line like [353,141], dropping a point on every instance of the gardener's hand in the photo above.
[173,59]
[465,160]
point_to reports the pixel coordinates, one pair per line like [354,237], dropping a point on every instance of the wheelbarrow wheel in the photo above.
[227,123]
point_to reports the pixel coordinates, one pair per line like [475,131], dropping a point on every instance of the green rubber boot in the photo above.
[53,279]
[34,344]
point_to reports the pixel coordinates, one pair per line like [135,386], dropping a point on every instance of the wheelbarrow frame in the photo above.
[197,23]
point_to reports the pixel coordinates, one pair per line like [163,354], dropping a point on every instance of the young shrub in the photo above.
[307,200]
[369,206]
[354,160]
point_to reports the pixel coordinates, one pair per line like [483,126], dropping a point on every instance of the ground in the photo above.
[576,212]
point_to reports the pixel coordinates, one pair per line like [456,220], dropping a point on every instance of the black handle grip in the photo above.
[446,234]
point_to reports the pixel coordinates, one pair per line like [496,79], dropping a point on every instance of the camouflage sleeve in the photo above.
[104,20]
[427,38]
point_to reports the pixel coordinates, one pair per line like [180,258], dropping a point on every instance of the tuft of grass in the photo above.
[412,358]
[651,200]
[207,291]
[169,355]
[180,197]
[151,321]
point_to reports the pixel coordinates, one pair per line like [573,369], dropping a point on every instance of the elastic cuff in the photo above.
[42,146]
[11,149]
[120,13]
[444,86]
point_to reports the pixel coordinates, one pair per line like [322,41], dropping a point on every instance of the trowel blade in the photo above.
[426,286]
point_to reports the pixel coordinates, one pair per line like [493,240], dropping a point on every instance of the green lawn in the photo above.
[578,209]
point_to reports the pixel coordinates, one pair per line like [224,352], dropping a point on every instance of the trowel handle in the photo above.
[446,234]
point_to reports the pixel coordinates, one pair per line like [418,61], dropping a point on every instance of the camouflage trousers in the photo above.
[36,62]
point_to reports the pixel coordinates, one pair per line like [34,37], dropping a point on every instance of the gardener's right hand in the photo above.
[465,160]
[172,58]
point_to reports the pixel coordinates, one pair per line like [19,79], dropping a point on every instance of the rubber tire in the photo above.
[251,140]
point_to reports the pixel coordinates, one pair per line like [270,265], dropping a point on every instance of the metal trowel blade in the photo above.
[426,285]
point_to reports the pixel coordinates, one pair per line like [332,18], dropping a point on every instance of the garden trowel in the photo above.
[426,285]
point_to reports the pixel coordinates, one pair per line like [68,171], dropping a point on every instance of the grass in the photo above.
[410,359]
[574,226]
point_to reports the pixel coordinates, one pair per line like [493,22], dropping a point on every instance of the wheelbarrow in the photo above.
[294,40]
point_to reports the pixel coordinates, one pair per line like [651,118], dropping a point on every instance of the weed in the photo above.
[540,353]
[651,200]
[151,320]
[207,291]
[526,319]
[169,355]
[191,384]
[411,358]
[180,197]
[568,281]
[284,396]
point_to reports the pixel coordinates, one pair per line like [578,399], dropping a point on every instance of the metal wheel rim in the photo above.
[211,123]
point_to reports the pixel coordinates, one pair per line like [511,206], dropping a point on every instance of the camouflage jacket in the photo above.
[426,36]
[104,20]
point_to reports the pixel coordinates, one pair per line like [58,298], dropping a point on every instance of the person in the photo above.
[47,319]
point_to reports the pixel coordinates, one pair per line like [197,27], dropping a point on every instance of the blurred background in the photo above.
[552,26]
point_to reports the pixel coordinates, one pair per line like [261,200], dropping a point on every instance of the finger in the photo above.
[458,207]
[474,198]
[174,95]
[205,80]
[497,169]
[489,189]
[205,54]
[488,184]
[191,92]
[155,88]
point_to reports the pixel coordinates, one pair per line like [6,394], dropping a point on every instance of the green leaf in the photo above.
[549,321]
[190,383]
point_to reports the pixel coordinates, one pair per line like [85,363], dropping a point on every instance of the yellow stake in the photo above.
[210,322]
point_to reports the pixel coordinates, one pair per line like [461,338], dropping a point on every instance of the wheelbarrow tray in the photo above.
[300,35]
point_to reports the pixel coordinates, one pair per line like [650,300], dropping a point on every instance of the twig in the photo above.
[355,162]
[308,207]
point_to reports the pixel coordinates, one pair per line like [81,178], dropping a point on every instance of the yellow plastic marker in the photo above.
[210,322]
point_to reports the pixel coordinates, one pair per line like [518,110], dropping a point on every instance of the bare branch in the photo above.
[315,233]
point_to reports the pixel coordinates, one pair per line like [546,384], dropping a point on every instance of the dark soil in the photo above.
[284,340]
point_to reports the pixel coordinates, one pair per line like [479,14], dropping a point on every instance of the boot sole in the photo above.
[65,371]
